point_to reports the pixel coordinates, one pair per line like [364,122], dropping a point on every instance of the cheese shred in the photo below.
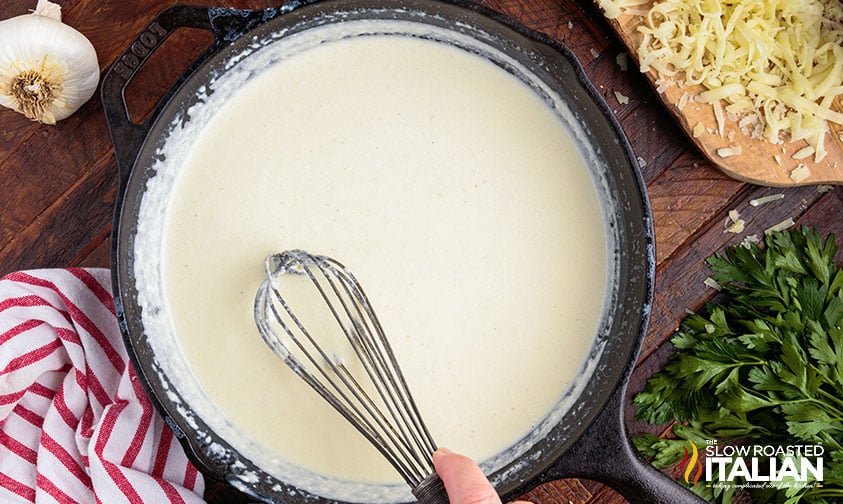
[779,60]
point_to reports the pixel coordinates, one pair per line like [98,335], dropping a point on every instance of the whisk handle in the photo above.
[431,491]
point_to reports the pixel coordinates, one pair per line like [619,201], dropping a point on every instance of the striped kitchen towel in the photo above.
[75,424]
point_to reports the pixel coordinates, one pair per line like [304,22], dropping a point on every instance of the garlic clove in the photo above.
[48,9]
[47,69]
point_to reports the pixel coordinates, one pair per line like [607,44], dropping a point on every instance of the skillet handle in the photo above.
[226,26]
[605,454]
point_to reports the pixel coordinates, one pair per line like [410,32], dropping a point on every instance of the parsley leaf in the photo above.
[760,364]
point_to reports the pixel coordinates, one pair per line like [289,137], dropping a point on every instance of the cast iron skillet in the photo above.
[590,441]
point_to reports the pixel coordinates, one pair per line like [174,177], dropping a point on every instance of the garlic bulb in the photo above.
[47,69]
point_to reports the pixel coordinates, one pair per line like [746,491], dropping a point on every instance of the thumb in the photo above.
[463,479]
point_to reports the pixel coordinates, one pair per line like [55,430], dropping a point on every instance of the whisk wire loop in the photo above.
[376,401]
[346,396]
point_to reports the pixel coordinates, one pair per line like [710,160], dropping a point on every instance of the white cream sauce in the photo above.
[454,193]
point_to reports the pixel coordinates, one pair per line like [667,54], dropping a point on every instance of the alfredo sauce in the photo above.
[454,192]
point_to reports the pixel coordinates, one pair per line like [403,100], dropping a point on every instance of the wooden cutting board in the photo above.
[759,162]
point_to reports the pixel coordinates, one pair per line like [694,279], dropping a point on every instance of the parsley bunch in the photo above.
[762,363]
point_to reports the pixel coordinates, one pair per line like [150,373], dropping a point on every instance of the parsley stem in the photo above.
[825,492]
[832,398]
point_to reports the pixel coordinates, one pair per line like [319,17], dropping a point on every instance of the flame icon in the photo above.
[689,463]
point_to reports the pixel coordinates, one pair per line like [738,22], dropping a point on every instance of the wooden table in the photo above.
[58,183]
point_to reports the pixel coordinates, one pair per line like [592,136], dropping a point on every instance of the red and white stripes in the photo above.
[75,423]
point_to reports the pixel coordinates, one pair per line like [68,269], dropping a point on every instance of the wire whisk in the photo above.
[313,314]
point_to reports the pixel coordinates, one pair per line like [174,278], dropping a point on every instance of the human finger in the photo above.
[463,479]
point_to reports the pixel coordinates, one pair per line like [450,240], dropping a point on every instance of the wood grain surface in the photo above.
[760,162]
[58,184]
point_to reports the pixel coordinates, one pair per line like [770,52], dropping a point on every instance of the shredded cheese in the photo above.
[734,223]
[803,152]
[779,60]
[710,282]
[622,61]
[766,199]
[729,151]
[613,8]
[736,227]
[749,240]
[800,173]
[781,226]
